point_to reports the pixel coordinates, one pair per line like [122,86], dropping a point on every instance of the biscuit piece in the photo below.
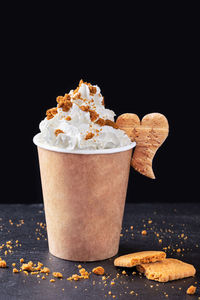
[149,135]
[137,258]
[167,270]
[98,270]
[191,290]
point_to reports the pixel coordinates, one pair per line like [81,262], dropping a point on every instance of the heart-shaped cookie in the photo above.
[149,135]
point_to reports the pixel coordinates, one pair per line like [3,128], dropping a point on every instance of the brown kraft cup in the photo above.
[84,197]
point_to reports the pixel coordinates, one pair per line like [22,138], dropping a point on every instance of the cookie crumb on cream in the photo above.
[76,112]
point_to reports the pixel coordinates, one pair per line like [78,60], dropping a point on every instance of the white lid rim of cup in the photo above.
[98,151]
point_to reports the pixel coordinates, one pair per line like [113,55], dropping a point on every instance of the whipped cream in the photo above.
[81,121]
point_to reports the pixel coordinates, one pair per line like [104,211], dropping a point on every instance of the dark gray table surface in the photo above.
[175,225]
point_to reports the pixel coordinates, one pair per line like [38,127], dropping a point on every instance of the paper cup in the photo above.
[84,196]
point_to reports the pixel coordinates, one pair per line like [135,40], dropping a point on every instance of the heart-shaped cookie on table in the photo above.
[149,134]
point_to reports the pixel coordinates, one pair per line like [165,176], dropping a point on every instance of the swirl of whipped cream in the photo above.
[81,121]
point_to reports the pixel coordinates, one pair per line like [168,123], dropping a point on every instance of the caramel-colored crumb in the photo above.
[28,266]
[52,280]
[89,136]
[38,268]
[93,115]
[76,277]
[93,90]
[98,270]
[21,260]
[84,273]
[3,264]
[100,122]
[68,118]
[64,102]
[144,232]
[58,131]
[191,290]
[57,274]
[51,112]
[13,264]
[34,273]
[77,96]
[25,272]
[45,270]
[15,270]
[112,124]
[84,108]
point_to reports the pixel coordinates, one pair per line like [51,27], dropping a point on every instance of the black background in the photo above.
[144,60]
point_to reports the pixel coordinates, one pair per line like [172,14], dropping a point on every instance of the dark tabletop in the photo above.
[169,227]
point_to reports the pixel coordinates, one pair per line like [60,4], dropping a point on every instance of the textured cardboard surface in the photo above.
[84,197]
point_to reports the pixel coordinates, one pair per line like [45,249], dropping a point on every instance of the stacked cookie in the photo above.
[156,266]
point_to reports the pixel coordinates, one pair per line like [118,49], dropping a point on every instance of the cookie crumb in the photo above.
[133,273]
[25,272]
[34,273]
[15,270]
[3,264]
[93,115]
[89,136]
[58,131]
[191,290]
[64,102]
[144,232]
[51,112]
[100,122]
[27,267]
[98,270]
[112,124]
[57,274]
[52,280]
[45,270]
[21,260]
[93,90]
